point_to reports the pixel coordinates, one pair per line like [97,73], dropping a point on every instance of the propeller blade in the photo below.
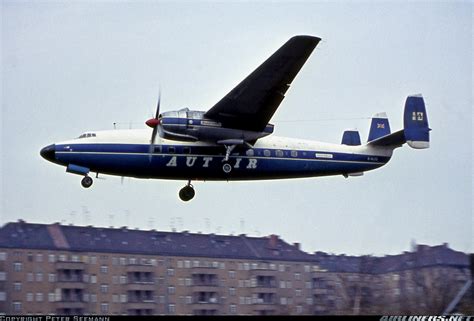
[152,142]
[158,105]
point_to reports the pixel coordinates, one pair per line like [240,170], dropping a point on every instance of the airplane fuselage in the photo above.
[126,153]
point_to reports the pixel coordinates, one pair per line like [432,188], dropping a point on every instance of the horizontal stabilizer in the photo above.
[379,127]
[415,131]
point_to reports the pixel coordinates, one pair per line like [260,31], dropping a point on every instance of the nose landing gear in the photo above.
[86,182]
[187,193]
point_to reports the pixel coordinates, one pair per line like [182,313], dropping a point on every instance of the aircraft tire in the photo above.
[86,182]
[227,168]
[186,193]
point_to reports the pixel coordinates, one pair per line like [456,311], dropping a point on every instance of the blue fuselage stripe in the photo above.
[205,162]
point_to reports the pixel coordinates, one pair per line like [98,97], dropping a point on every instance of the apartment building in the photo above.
[65,269]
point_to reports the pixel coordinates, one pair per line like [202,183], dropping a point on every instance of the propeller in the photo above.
[154,123]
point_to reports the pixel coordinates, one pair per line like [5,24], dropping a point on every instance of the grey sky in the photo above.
[68,68]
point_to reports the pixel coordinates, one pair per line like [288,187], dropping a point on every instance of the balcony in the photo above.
[70,266]
[70,304]
[140,268]
[263,272]
[144,305]
[140,286]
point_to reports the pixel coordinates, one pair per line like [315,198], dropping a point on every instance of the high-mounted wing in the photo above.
[251,104]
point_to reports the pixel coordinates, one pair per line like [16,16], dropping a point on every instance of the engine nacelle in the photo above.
[190,125]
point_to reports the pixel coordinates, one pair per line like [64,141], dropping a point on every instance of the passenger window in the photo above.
[157,149]
[186,150]
[294,153]
[266,152]
[250,152]
[171,150]
[279,153]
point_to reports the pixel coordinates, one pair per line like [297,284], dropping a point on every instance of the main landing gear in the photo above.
[187,193]
[86,182]
[226,167]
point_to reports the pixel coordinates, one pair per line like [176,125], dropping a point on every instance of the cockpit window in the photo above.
[87,135]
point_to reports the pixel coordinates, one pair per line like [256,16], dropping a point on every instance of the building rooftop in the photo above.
[133,241]
[123,240]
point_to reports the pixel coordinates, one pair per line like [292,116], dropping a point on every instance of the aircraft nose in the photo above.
[48,153]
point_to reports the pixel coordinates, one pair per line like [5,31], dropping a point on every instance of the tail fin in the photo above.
[351,137]
[415,123]
[379,127]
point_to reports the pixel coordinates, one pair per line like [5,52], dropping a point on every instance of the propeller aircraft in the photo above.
[232,140]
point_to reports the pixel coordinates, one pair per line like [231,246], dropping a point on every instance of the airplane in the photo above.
[232,140]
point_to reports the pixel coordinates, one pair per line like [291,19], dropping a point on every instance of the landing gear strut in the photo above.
[187,193]
[226,167]
[86,182]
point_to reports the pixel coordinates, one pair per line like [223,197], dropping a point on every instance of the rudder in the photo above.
[415,123]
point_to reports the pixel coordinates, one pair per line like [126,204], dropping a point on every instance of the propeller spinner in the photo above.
[154,123]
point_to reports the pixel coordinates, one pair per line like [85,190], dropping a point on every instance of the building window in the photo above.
[39,257]
[288,284]
[17,266]
[187,264]
[3,256]
[232,291]
[104,269]
[3,276]
[104,308]
[233,309]
[187,282]
[123,298]
[93,297]
[171,290]
[29,277]
[39,297]
[29,297]
[39,277]
[232,274]
[104,288]
[17,286]
[180,264]
[309,301]
[93,260]
[297,276]
[282,284]
[170,272]
[17,306]
[132,261]
[62,258]
[93,278]
[51,258]
[189,299]
[123,261]
[51,277]
[195,263]
[123,279]
[51,296]
[299,309]
[171,308]
[281,268]
[298,292]
[283,301]
[3,296]
[308,285]
[307,268]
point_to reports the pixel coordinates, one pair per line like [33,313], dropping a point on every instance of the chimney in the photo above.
[272,242]
[297,245]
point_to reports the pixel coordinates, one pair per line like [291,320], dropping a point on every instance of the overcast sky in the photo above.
[71,67]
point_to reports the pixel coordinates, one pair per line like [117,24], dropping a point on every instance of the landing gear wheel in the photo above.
[227,168]
[187,193]
[86,182]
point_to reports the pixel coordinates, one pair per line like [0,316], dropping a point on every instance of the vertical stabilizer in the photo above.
[415,123]
[379,127]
